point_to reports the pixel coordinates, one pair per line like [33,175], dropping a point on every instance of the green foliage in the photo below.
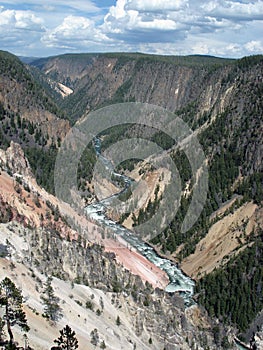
[227,158]
[2,330]
[89,305]
[85,168]
[94,334]
[148,212]
[11,302]
[183,166]
[42,162]
[12,67]
[103,345]
[52,310]
[67,339]
[116,285]
[128,164]
[118,321]
[188,61]
[234,293]
[249,61]
[163,140]
[122,91]
[252,188]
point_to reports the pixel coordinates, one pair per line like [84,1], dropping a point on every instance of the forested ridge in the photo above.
[234,294]
[25,107]
[221,100]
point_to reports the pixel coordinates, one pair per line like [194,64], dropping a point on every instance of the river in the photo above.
[179,282]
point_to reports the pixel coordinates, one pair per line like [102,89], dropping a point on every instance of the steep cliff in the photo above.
[221,100]
[25,107]
[97,80]
[93,288]
[30,117]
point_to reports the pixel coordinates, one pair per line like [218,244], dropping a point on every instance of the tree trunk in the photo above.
[8,324]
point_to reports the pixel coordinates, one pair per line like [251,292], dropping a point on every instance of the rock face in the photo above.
[15,159]
[25,103]
[106,78]
[199,90]
[49,247]
[219,99]
[144,312]
[258,339]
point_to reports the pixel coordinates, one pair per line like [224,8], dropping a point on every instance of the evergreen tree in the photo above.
[2,332]
[94,337]
[11,302]
[118,321]
[52,310]
[103,345]
[67,339]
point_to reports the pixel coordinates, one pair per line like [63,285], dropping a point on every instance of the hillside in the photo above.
[102,79]
[29,116]
[220,100]
[93,284]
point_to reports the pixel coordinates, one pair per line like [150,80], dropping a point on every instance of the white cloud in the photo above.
[253,10]
[20,20]
[216,27]
[156,5]
[216,11]
[129,18]
[254,46]
[20,30]
[162,21]
[74,32]
[158,24]
[80,5]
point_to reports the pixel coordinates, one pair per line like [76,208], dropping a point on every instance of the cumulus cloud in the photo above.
[20,29]
[215,27]
[156,5]
[132,13]
[254,46]
[12,19]
[156,21]
[235,10]
[144,21]
[74,32]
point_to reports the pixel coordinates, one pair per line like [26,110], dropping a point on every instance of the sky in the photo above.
[232,28]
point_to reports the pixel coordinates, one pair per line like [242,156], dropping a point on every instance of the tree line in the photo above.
[11,304]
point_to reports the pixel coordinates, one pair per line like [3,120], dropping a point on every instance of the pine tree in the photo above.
[67,339]
[11,302]
[103,345]
[52,310]
[2,324]
[94,337]
[118,321]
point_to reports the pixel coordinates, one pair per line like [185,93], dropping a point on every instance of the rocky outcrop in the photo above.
[257,341]
[14,159]
[49,247]
[220,99]
[100,79]
[152,313]
[199,90]
[26,104]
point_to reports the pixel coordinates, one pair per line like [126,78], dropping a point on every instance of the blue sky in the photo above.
[232,28]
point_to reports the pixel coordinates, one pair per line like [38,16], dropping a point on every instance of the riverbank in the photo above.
[136,263]
[241,345]
[136,255]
